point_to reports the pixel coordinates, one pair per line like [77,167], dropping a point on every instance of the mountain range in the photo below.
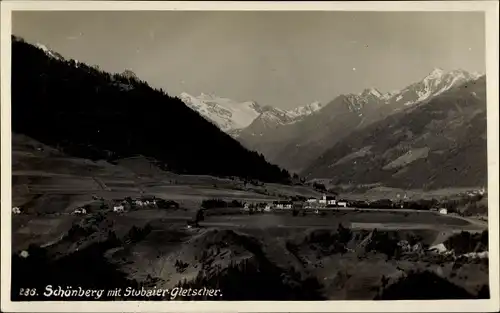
[433,144]
[233,116]
[430,134]
[305,144]
[89,113]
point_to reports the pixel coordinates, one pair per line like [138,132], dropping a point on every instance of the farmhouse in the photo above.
[312,200]
[139,203]
[283,204]
[80,211]
[342,204]
[264,207]
[322,200]
[443,211]
[330,201]
[118,208]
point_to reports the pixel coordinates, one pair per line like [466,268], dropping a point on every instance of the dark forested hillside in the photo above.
[94,114]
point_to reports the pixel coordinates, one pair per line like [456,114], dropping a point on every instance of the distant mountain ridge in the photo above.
[232,116]
[435,83]
[437,143]
[295,146]
[430,134]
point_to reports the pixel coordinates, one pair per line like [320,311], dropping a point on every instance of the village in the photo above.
[293,204]
[128,204]
[298,203]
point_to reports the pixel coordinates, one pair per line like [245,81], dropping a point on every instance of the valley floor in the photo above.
[341,254]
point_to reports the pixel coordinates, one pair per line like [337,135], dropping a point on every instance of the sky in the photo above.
[282,59]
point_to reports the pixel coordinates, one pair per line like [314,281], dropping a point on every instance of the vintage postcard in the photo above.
[249,156]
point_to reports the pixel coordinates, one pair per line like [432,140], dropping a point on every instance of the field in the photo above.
[332,219]
[343,254]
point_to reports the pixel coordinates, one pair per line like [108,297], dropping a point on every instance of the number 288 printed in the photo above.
[27,292]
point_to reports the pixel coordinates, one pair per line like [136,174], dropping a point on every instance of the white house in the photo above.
[330,201]
[312,200]
[322,200]
[283,204]
[80,211]
[267,208]
[118,208]
[443,211]
[440,248]
[139,203]
[16,210]
[342,204]
[327,200]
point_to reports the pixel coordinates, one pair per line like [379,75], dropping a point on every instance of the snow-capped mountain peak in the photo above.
[305,110]
[436,72]
[227,114]
[49,52]
[232,116]
[433,84]
[371,91]
[389,95]
[476,75]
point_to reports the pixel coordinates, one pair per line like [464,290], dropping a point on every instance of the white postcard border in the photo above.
[492,55]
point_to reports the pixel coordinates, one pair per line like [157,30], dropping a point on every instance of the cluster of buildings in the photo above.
[478,192]
[120,206]
[137,203]
[324,202]
[309,203]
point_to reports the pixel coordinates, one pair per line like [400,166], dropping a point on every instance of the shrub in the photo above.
[214,203]
[319,187]
[180,266]
[466,242]
[167,204]
[385,242]
[236,204]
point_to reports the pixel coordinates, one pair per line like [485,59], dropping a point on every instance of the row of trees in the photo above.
[98,115]
[219,203]
[452,205]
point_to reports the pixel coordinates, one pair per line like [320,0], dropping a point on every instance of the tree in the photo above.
[319,187]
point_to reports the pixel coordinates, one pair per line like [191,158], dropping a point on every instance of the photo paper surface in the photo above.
[249,157]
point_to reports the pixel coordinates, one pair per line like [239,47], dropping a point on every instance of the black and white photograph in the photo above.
[249,155]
